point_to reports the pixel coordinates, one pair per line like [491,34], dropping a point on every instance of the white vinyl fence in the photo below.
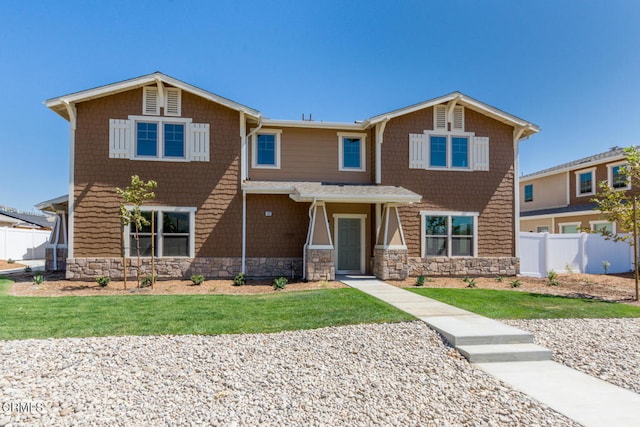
[580,253]
[19,243]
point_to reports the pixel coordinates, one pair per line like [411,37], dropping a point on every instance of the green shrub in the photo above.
[103,280]
[552,278]
[27,269]
[10,261]
[197,279]
[515,283]
[38,279]
[147,281]
[605,266]
[471,283]
[280,283]
[240,279]
[499,279]
[420,280]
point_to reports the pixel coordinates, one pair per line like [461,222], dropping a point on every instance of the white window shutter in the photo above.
[417,151]
[458,119]
[120,136]
[481,153]
[150,101]
[173,102]
[440,117]
[199,141]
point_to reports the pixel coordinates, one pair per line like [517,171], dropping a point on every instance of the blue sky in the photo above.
[571,67]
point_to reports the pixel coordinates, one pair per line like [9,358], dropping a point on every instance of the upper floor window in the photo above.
[266,149]
[351,152]
[585,182]
[449,234]
[528,193]
[447,146]
[617,179]
[160,139]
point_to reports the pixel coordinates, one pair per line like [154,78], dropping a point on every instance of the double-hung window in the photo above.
[617,178]
[585,182]
[162,138]
[172,236]
[352,152]
[449,234]
[528,193]
[265,149]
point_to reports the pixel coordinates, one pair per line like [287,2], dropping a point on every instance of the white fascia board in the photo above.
[411,108]
[560,215]
[353,198]
[98,92]
[576,168]
[312,124]
[285,189]
[50,203]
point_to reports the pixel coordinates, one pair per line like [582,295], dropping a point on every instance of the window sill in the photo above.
[264,167]
[161,159]
[351,170]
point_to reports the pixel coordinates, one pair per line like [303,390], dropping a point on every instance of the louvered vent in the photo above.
[440,117]
[458,118]
[150,101]
[173,102]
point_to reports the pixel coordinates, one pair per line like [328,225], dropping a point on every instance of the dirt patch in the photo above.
[5,265]
[618,288]
[56,286]
[610,287]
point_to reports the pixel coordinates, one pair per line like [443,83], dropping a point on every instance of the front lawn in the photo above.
[524,305]
[45,317]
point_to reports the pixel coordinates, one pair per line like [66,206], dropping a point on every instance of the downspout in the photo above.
[71,110]
[244,168]
[306,243]
[517,134]
[55,242]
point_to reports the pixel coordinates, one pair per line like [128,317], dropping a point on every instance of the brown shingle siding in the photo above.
[212,187]
[490,193]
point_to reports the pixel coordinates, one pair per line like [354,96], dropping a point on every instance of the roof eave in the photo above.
[353,198]
[313,124]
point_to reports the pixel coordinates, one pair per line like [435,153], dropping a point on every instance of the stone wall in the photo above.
[182,268]
[321,264]
[61,261]
[390,264]
[464,266]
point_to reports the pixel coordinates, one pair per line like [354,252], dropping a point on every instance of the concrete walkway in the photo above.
[35,264]
[581,397]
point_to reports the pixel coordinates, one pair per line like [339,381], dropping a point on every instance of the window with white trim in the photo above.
[617,179]
[528,193]
[449,234]
[352,152]
[586,182]
[265,149]
[600,226]
[569,227]
[542,229]
[447,146]
[173,233]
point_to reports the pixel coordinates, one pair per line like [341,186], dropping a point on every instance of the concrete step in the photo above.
[505,353]
[476,330]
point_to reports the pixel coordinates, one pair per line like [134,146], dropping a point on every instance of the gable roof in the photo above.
[59,104]
[466,101]
[616,153]
[27,219]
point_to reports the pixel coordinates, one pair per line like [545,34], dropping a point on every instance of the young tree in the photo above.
[134,196]
[621,207]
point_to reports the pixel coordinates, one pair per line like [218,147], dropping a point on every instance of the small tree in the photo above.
[621,207]
[134,196]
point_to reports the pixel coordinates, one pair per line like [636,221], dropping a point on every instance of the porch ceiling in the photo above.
[336,193]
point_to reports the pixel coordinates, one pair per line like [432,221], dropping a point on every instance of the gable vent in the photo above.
[173,102]
[440,117]
[150,101]
[458,119]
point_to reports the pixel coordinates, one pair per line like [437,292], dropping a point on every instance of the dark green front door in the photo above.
[349,250]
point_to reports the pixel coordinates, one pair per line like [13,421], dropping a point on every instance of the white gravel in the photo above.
[386,374]
[608,349]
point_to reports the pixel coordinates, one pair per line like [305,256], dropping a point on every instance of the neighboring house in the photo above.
[420,190]
[13,218]
[559,199]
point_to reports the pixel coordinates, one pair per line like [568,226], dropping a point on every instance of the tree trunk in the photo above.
[635,241]
[153,248]
[138,253]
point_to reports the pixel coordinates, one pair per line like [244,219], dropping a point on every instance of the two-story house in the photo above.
[426,189]
[559,199]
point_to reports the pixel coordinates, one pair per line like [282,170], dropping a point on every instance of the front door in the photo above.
[349,245]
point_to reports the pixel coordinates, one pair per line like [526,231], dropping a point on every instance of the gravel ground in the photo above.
[608,349]
[384,374]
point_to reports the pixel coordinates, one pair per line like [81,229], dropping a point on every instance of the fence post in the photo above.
[583,252]
[547,254]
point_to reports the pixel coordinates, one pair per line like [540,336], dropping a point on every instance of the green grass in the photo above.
[44,317]
[523,305]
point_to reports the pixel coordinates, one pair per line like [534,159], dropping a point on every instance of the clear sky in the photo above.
[570,66]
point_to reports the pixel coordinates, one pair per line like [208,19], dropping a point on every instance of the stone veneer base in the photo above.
[321,264]
[390,264]
[183,268]
[464,266]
